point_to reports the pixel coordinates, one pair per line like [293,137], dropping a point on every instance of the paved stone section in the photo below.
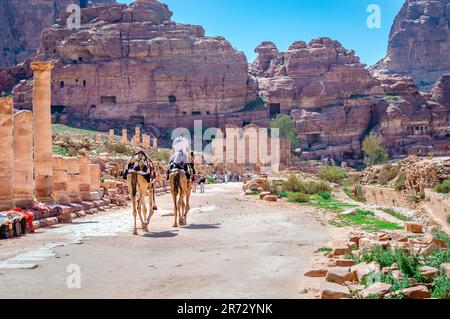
[234,247]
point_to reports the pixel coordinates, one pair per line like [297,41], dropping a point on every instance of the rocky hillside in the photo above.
[133,64]
[335,102]
[22,21]
[419,42]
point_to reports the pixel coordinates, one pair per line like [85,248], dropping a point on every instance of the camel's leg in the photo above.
[143,186]
[133,199]
[151,204]
[175,209]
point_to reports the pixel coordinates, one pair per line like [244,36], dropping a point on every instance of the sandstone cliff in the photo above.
[21,23]
[131,64]
[335,102]
[419,42]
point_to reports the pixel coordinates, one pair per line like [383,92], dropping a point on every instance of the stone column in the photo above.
[6,154]
[23,159]
[73,185]
[43,170]
[124,136]
[145,141]
[60,180]
[112,138]
[137,136]
[95,181]
[85,178]
[99,138]
[155,143]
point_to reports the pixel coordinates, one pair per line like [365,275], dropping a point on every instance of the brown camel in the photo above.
[138,187]
[179,190]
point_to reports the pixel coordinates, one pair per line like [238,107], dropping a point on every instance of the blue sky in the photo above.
[246,23]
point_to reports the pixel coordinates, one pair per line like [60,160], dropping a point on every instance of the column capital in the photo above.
[42,66]
[6,105]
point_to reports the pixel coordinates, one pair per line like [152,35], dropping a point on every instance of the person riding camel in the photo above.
[179,159]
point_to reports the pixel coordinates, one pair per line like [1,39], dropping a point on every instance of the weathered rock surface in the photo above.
[419,42]
[21,23]
[132,64]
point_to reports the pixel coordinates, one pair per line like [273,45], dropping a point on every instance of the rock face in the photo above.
[419,42]
[336,102]
[326,90]
[22,21]
[131,64]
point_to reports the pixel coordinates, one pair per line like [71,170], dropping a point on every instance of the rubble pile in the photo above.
[416,174]
[356,270]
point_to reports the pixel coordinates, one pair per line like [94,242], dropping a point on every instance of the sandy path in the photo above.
[234,247]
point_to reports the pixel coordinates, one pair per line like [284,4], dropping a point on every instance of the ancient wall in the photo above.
[384,197]
[439,206]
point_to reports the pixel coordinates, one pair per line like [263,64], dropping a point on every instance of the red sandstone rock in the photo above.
[340,275]
[417,292]
[378,289]
[161,73]
[335,291]
[419,42]
[317,273]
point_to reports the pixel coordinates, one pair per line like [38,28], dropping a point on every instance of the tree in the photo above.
[287,128]
[375,152]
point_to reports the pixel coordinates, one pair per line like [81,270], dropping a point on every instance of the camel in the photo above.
[179,189]
[138,187]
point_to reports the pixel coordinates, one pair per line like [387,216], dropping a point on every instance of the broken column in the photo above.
[137,136]
[95,181]
[60,180]
[124,136]
[112,138]
[85,178]
[23,159]
[99,138]
[73,185]
[6,154]
[155,143]
[145,141]
[43,169]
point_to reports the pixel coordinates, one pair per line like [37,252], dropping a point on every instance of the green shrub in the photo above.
[400,183]
[448,219]
[294,184]
[332,174]
[286,127]
[283,194]
[298,198]
[441,287]
[318,188]
[326,195]
[444,187]
[384,257]
[374,151]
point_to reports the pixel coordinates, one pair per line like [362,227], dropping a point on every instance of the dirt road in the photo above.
[234,247]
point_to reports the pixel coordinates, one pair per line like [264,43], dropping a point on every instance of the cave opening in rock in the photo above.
[274,109]
[172,98]
[57,109]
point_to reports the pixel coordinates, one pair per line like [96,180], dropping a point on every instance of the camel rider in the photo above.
[179,159]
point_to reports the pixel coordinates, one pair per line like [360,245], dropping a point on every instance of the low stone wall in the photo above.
[385,196]
[439,206]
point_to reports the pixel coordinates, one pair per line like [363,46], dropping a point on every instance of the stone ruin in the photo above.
[239,149]
[29,172]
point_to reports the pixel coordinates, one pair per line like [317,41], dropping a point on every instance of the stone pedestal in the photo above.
[95,177]
[112,138]
[85,178]
[6,154]
[73,185]
[43,170]
[23,159]
[60,180]
[124,136]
